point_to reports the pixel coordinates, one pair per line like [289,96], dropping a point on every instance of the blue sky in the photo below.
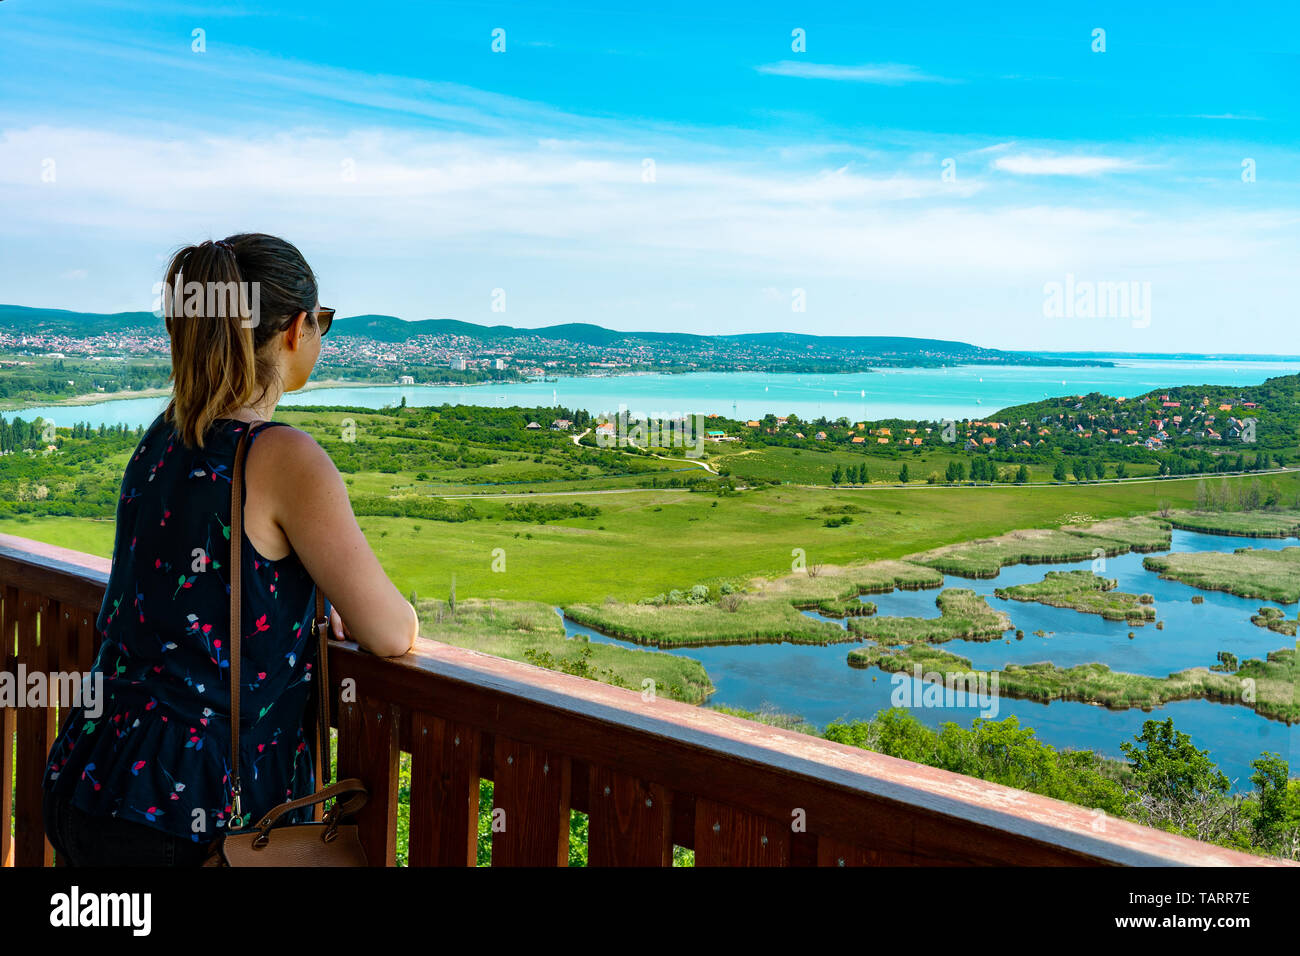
[674,166]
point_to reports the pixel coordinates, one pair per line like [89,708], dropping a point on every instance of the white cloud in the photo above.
[1061,165]
[890,74]
[586,206]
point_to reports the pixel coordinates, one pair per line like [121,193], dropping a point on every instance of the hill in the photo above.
[388,328]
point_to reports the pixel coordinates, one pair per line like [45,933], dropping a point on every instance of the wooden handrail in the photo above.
[650,772]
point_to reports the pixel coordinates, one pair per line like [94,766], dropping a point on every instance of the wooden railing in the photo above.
[650,774]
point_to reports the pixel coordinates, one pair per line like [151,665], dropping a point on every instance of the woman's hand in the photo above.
[338,630]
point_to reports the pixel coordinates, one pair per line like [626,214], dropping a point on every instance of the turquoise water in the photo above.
[816,682]
[916,393]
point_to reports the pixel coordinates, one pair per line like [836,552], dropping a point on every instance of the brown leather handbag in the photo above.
[327,842]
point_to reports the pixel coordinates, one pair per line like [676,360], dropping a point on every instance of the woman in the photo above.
[146,781]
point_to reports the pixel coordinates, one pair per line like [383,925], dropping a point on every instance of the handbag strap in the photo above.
[320,624]
[352,785]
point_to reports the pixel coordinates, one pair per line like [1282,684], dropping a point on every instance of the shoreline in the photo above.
[96,398]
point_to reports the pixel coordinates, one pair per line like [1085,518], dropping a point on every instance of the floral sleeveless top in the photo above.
[158,752]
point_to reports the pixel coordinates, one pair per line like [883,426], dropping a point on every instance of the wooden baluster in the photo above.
[629,821]
[36,731]
[8,725]
[444,792]
[727,836]
[368,749]
[530,805]
[64,632]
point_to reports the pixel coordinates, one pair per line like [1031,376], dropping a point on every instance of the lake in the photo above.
[914,393]
[817,683]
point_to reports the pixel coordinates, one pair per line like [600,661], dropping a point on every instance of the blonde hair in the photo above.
[223,303]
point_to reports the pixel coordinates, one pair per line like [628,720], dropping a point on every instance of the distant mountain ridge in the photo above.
[388,328]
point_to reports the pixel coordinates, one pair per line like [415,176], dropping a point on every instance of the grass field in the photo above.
[985,557]
[814,466]
[648,541]
[532,632]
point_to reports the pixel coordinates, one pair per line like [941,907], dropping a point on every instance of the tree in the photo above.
[1271,821]
[902,474]
[1076,468]
[1058,473]
[1121,470]
[1169,768]
[837,475]
[1022,474]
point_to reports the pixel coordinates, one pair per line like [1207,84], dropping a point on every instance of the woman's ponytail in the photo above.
[222,302]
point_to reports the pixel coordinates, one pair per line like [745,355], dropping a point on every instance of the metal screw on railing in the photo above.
[546,768]
[607,791]
[510,759]
[840,861]
[458,740]
[649,802]
[763,839]
[424,730]
[717,827]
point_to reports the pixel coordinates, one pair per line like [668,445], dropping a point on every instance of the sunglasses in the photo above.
[324,318]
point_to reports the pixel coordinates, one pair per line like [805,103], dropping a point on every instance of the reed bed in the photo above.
[1245,572]
[1086,592]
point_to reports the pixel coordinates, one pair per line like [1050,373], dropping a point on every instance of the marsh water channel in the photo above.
[817,683]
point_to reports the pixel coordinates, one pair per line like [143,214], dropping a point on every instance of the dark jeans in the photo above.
[81,839]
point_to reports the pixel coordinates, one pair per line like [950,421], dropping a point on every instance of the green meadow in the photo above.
[647,541]
[533,633]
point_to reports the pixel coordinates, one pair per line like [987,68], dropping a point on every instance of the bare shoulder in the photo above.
[287,454]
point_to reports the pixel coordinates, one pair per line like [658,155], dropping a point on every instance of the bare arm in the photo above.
[311,506]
